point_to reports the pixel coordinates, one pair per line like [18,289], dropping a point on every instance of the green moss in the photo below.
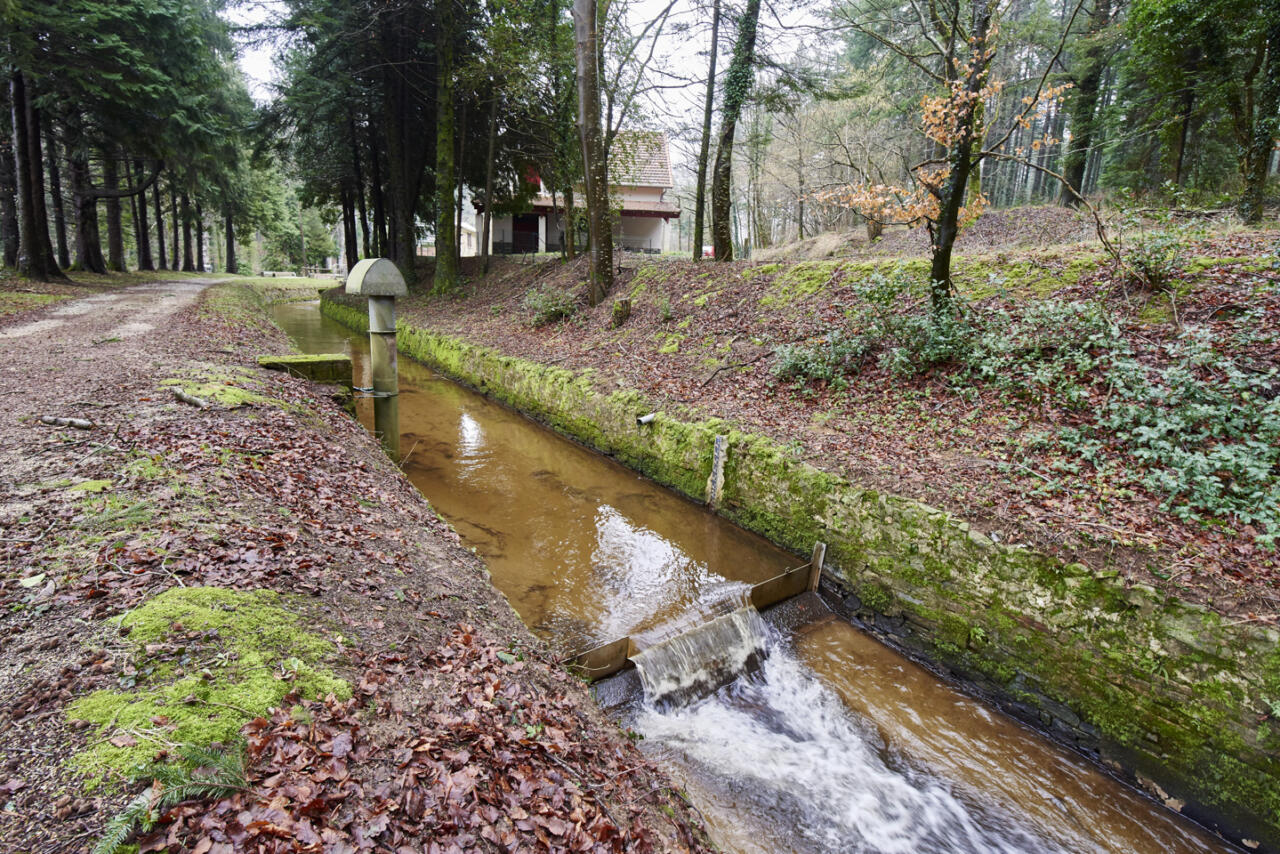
[91,486]
[1053,634]
[150,468]
[875,596]
[669,342]
[238,654]
[978,277]
[1157,310]
[13,303]
[761,270]
[230,387]
[800,281]
[227,394]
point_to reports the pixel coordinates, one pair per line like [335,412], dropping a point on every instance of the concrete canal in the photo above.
[833,743]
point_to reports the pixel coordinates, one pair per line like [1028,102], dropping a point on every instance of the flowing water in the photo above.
[825,740]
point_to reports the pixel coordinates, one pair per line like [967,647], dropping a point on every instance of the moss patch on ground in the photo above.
[205,661]
[15,303]
[91,486]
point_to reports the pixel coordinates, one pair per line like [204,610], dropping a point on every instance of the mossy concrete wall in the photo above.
[1186,701]
[322,368]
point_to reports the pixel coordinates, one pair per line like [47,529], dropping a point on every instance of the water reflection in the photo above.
[585,549]
[839,746]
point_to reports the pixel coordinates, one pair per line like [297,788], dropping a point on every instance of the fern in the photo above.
[201,772]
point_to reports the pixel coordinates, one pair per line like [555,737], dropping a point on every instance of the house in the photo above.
[467,243]
[639,174]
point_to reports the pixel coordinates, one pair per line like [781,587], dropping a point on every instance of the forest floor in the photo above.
[1066,408]
[248,601]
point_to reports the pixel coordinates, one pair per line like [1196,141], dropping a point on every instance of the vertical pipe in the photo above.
[386,385]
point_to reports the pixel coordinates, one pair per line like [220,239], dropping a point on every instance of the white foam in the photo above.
[790,740]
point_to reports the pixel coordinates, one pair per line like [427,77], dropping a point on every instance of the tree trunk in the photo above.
[163,257]
[199,237]
[141,229]
[115,221]
[188,261]
[375,188]
[8,204]
[173,218]
[446,278]
[231,245]
[358,172]
[84,203]
[1179,167]
[457,233]
[59,208]
[594,166]
[700,200]
[349,228]
[488,179]
[737,85]
[570,225]
[406,159]
[35,251]
[947,226]
[1083,105]
[1266,121]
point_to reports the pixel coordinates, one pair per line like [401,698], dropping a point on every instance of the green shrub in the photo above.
[1157,256]
[1200,430]
[1206,430]
[547,305]
[826,360]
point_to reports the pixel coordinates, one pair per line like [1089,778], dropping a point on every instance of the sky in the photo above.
[789,28]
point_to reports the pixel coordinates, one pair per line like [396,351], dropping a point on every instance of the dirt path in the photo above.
[410,704]
[116,315]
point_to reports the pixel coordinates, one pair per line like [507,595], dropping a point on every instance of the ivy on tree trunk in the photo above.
[447,276]
[737,85]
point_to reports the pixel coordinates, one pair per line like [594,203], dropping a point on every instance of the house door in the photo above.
[524,233]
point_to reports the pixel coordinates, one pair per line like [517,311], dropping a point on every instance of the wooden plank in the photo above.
[604,660]
[607,659]
[793,582]
[815,565]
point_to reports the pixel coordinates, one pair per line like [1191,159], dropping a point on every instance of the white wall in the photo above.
[641,232]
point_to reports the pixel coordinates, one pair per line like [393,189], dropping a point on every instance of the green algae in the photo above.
[231,656]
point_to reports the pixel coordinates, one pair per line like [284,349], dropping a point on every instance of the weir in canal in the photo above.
[827,740]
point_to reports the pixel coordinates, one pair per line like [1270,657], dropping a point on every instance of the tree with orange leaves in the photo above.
[953,42]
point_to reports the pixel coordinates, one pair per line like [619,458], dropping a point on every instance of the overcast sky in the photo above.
[787,28]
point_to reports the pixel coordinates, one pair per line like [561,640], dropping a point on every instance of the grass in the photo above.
[12,302]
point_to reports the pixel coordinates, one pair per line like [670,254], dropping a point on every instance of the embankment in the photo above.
[232,591]
[1181,698]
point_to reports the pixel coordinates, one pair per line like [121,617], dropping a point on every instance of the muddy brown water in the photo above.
[836,744]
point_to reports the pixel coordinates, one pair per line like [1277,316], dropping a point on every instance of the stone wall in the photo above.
[1180,698]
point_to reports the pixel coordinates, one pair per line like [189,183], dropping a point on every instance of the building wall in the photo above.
[640,233]
[635,233]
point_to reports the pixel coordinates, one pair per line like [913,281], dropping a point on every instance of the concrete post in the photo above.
[380,281]
[385,372]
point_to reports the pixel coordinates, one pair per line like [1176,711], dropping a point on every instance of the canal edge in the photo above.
[1168,694]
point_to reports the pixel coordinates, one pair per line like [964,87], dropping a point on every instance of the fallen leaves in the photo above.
[490,764]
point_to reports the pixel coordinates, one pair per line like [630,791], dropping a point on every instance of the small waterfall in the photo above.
[697,662]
